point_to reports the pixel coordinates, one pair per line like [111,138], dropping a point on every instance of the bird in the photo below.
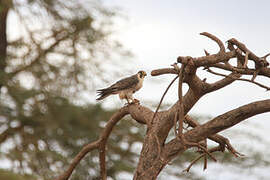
[125,88]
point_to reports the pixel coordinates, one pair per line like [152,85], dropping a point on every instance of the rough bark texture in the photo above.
[155,153]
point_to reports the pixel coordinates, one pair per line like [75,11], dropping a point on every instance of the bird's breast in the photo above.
[139,85]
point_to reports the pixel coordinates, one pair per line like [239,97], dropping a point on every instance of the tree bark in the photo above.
[151,165]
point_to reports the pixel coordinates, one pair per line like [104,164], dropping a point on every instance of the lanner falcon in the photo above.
[125,87]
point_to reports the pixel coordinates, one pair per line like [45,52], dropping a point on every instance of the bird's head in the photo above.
[142,74]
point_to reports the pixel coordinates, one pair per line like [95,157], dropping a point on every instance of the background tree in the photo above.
[157,151]
[58,56]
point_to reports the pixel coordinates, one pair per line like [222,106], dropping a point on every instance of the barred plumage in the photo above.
[124,87]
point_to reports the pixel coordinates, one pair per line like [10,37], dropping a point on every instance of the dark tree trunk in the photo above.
[3,40]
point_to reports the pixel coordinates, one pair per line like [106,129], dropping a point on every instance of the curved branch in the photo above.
[222,122]
[239,79]
[104,137]
[217,40]
[265,56]
[218,124]
[163,98]
[222,141]
[139,113]
[245,71]
[222,83]
[86,149]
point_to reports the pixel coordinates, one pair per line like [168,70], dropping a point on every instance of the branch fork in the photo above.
[156,152]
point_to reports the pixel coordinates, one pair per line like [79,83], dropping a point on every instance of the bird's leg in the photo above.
[128,103]
[134,101]
[129,97]
[131,100]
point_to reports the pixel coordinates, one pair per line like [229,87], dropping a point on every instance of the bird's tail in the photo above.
[103,93]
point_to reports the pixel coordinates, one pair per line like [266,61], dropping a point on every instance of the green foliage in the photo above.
[57,58]
[54,131]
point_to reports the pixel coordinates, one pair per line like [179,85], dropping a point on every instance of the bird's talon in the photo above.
[129,103]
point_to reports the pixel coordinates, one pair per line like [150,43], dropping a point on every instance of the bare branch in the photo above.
[260,62]
[104,137]
[158,72]
[86,149]
[218,124]
[151,164]
[245,71]
[205,157]
[222,141]
[199,157]
[207,60]
[135,110]
[163,98]
[239,79]
[265,56]
[222,83]
[217,40]
[206,53]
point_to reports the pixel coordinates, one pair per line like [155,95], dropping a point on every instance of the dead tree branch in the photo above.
[217,40]
[86,149]
[239,79]
[160,102]
[134,110]
[152,159]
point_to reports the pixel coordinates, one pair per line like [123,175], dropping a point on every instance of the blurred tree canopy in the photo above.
[59,53]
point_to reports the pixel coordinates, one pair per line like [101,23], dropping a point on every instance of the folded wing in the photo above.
[123,84]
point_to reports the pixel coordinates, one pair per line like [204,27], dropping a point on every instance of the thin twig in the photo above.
[240,79]
[191,144]
[175,123]
[222,141]
[152,121]
[205,156]
[193,162]
[265,56]
[163,98]
[214,149]
[206,53]
[232,150]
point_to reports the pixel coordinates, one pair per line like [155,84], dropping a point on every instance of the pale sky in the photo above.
[157,32]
